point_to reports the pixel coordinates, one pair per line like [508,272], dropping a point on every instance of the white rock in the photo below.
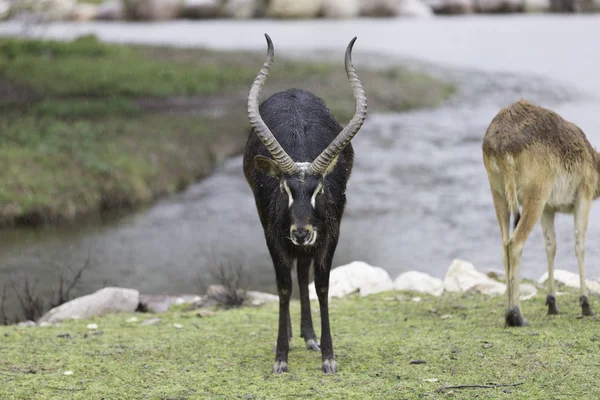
[243,9]
[413,8]
[419,282]
[260,298]
[392,8]
[355,276]
[462,276]
[68,373]
[151,321]
[45,324]
[491,288]
[152,10]
[111,10]
[92,326]
[131,320]
[527,291]
[341,9]
[201,8]
[5,7]
[536,6]
[570,279]
[84,12]
[178,326]
[26,324]
[104,301]
[294,8]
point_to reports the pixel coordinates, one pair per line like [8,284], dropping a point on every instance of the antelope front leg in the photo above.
[322,270]
[550,242]
[581,213]
[283,267]
[306,325]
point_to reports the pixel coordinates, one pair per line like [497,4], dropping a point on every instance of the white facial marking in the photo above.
[289,193]
[313,238]
[313,199]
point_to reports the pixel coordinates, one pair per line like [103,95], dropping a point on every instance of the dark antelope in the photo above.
[297,162]
[536,159]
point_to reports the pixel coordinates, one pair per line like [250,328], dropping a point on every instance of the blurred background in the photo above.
[122,125]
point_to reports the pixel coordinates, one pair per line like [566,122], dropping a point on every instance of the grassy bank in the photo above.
[87,126]
[229,356]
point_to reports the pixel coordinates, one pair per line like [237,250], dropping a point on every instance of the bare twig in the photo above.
[491,386]
[66,389]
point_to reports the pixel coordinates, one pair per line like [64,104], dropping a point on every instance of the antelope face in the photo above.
[303,194]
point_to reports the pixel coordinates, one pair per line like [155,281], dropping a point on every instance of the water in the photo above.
[418,196]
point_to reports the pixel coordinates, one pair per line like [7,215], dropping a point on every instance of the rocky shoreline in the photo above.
[355,277]
[160,10]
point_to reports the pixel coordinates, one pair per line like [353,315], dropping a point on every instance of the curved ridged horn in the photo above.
[286,164]
[320,164]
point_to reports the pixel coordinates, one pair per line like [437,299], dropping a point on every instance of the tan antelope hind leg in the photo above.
[503,216]
[533,206]
[581,213]
[550,244]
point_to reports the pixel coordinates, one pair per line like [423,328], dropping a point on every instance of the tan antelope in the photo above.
[537,159]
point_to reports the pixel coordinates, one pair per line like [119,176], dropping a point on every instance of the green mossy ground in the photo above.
[86,126]
[229,356]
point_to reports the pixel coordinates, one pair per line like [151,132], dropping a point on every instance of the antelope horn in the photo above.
[286,164]
[320,164]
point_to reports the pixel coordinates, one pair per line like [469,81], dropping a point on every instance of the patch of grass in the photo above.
[87,126]
[229,356]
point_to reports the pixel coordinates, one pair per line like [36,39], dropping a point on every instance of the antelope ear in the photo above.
[267,166]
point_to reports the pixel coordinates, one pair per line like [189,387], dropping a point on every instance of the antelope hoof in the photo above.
[586,308]
[280,367]
[329,366]
[552,305]
[513,317]
[311,344]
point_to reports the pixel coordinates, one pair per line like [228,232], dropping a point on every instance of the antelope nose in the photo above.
[300,234]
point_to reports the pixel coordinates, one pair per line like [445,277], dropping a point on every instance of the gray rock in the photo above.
[201,9]
[110,10]
[26,323]
[499,6]
[219,294]
[104,301]
[536,6]
[152,10]
[244,9]
[158,303]
[451,7]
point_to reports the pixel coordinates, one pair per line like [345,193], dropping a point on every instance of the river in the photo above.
[418,196]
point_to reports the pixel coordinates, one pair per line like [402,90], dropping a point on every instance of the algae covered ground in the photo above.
[460,338]
[87,126]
